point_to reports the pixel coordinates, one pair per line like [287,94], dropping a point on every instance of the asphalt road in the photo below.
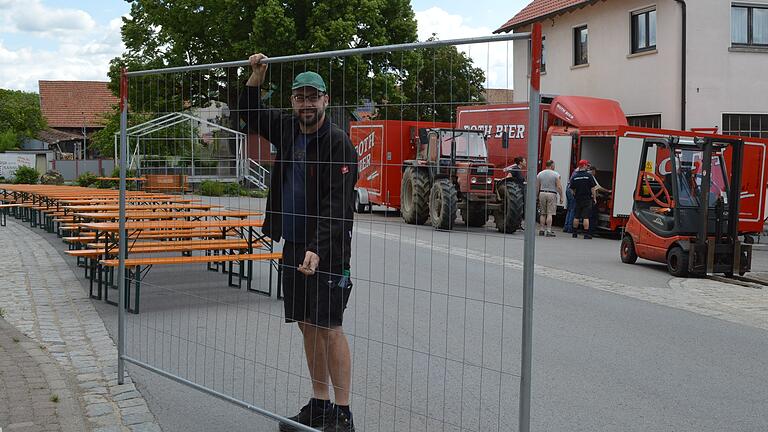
[434,322]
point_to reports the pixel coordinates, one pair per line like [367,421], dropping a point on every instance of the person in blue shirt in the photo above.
[583,185]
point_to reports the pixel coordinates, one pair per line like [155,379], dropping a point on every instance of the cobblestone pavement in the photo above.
[41,297]
[35,392]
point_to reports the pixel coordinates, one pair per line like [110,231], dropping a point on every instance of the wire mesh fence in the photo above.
[433,317]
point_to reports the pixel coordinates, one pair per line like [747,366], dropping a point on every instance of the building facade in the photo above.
[74,109]
[633,51]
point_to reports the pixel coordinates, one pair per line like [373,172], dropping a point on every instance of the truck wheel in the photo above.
[509,216]
[443,204]
[677,262]
[628,252]
[359,207]
[475,216]
[414,197]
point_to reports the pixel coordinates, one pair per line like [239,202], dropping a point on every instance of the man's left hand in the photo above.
[309,266]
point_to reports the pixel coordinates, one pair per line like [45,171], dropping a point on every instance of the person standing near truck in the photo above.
[516,171]
[550,193]
[584,188]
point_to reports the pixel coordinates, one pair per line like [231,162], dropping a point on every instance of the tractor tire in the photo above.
[475,216]
[677,262]
[628,252]
[509,216]
[359,207]
[443,203]
[414,196]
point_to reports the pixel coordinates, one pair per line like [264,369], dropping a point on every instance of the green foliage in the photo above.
[259,193]
[19,114]
[103,140]
[212,188]
[439,78]
[215,188]
[52,177]
[26,175]
[8,141]
[232,189]
[86,179]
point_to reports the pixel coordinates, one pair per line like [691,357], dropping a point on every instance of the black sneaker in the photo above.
[341,422]
[541,233]
[588,236]
[575,234]
[311,416]
[550,234]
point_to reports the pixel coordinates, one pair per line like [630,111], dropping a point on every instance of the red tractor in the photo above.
[686,207]
[451,172]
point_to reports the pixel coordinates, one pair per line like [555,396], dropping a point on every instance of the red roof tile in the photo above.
[538,9]
[69,104]
[53,136]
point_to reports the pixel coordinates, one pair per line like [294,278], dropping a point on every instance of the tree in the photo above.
[20,115]
[438,80]
[184,32]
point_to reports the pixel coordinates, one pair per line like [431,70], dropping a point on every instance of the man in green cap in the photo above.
[311,205]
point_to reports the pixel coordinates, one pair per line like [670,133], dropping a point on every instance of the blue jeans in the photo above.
[568,226]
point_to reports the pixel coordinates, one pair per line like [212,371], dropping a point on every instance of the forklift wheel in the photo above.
[628,253]
[677,262]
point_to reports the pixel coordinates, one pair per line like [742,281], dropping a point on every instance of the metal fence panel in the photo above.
[434,319]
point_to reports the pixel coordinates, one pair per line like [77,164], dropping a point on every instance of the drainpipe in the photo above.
[684,63]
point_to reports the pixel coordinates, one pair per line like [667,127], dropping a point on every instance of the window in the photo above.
[646,121]
[580,39]
[748,125]
[749,25]
[643,31]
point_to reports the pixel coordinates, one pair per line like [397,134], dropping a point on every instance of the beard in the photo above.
[310,117]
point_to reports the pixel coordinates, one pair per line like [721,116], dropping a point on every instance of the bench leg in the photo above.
[138,291]
[96,272]
[128,274]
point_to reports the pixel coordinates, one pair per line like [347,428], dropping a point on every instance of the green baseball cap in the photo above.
[309,79]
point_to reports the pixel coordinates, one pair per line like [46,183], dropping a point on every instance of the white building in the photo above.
[638,51]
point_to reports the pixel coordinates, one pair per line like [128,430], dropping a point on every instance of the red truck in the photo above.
[575,128]
[382,148]
[572,128]
[431,171]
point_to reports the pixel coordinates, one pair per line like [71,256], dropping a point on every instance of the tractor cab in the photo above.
[458,153]
[686,207]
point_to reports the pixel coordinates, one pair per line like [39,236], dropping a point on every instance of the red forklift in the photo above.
[686,207]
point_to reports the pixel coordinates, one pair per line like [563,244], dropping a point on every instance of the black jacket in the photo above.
[331,174]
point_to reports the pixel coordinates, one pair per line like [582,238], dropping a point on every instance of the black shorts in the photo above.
[319,299]
[583,209]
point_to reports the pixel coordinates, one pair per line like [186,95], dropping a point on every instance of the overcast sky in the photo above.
[75,40]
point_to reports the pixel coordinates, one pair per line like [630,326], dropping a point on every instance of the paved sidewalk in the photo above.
[35,393]
[43,299]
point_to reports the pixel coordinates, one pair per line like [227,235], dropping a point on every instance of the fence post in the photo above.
[530,231]
[122,231]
